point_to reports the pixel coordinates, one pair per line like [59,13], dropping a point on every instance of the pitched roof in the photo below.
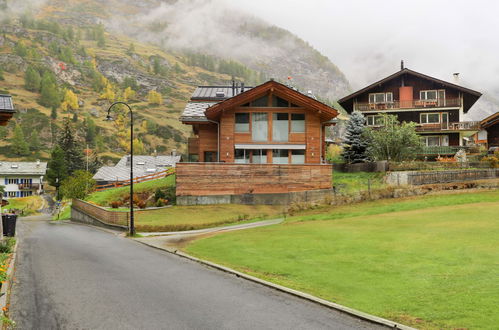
[471,96]
[6,104]
[195,111]
[143,165]
[217,93]
[23,168]
[490,120]
[278,89]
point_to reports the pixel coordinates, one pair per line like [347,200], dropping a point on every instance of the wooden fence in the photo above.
[100,213]
[420,178]
[123,183]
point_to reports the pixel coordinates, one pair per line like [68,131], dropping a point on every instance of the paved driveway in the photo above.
[77,277]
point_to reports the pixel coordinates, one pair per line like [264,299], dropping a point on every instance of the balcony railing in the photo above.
[442,150]
[457,126]
[406,105]
[29,186]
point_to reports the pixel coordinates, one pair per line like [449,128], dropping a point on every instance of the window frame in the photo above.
[373,117]
[236,123]
[426,114]
[304,123]
[425,92]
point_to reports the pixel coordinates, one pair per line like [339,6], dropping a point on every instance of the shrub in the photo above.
[116,204]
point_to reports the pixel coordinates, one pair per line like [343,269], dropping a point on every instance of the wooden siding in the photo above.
[493,135]
[202,179]
[208,139]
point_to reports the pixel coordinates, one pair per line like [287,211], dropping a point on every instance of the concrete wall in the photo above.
[258,199]
[205,179]
[80,216]
[431,177]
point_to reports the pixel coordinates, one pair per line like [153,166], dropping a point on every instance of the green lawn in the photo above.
[29,205]
[106,196]
[430,262]
[346,183]
[203,216]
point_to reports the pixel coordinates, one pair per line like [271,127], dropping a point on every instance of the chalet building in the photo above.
[254,145]
[491,126]
[436,106]
[6,109]
[270,124]
[22,179]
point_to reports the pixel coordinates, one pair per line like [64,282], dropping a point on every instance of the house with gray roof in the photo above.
[22,179]
[6,109]
[142,165]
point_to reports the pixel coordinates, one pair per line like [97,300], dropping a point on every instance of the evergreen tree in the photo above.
[20,49]
[18,142]
[355,145]
[91,131]
[1,75]
[75,117]
[78,185]
[73,153]
[53,113]
[32,79]
[34,141]
[57,169]
[50,96]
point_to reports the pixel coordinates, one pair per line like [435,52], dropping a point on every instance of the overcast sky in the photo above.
[367,39]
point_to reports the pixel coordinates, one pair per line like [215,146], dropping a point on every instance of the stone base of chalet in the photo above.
[258,199]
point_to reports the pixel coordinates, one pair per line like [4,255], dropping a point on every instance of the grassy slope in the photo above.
[354,182]
[432,265]
[30,205]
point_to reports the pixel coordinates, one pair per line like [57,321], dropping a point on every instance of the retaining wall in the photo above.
[433,177]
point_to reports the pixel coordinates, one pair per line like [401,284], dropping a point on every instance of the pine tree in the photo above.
[91,131]
[75,117]
[53,113]
[32,79]
[50,96]
[355,145]
[1,75]
[18,142]
[20,49]
[57,169]
[73,153]
[34,141]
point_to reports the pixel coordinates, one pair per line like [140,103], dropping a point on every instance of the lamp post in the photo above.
[108,117]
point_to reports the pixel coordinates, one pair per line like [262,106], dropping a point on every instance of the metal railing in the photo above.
[408,105]
[442,150]
[28,186]
[149,177]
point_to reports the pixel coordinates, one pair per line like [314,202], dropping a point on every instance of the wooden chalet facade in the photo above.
[436,106]
[491,126]
[268,124]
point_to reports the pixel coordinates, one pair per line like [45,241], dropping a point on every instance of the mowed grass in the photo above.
[359,181]
[202,216]
[104,197]
[428,262]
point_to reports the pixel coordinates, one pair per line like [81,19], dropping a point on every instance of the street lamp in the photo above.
[108,117]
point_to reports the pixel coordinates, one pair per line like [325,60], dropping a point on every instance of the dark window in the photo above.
[210,156]
[242,122]
[261,102]
[279,102]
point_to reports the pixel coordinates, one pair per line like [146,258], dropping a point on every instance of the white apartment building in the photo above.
[22,179]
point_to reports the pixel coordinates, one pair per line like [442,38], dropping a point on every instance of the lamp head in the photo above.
[109,118]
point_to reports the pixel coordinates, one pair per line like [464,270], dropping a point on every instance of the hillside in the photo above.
[92,60]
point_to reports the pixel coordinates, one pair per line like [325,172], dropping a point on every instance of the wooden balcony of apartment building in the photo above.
[193,145]
[29,186]
[457,126]
[408,105]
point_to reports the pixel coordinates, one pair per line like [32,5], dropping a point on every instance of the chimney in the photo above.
[402,65]
[456,77]
[128,160]
[242,87]
[174,152]
[233,87]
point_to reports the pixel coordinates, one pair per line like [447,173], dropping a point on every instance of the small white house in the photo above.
[22,179]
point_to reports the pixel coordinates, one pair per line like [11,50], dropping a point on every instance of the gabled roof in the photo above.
[278,89]
[6,104]
[490,120]
[23,168]
[470,96]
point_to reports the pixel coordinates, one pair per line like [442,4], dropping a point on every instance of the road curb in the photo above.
[7,285]
[296,293]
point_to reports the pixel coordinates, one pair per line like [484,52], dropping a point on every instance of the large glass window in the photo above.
[278,102]
[428,95]
[261,102]
[258,156]
[298,123]
[280,156]
[260,127]
[280,127]
[241,156]
[430,118]
[242,122]
[297,156]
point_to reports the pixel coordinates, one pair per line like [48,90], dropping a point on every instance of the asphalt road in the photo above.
[71,276]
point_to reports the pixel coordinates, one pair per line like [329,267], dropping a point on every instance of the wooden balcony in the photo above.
[29,186]
[457,126]
[193,146]
[408,105]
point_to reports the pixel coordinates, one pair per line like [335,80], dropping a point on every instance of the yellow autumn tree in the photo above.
[154,97]
[70,101]
[109,93]
[128,94]
[138,147]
